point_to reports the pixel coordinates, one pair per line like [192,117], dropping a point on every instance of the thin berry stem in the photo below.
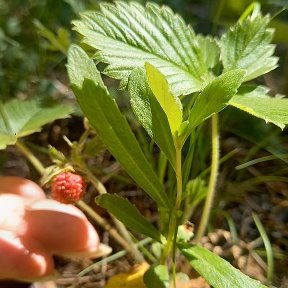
[112,231]
[120,226]
[30,156]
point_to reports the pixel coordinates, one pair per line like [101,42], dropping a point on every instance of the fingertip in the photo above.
[21,186]
[60,228]
[53,205]
[102,250]
[93,240]
[23,258]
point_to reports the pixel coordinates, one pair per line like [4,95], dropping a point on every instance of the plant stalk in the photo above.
[212,181]
[112,231]
[94,181]
[172,231]
[29,155]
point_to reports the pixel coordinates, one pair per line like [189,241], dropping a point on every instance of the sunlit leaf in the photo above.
[210,49]
[157,276]
[126,34]
[110,125]
[127,213]
[218,272]
[256,101]
[215,97]
[170,104]
[21,118]
[247,45]
[149,113]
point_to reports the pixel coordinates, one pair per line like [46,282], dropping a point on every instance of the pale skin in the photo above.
[33,228]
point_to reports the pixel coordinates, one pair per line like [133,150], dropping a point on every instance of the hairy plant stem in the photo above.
[212,180]
[112,231]
[93,180]
[127,243]
[174,217]
[30,156]
[133,250]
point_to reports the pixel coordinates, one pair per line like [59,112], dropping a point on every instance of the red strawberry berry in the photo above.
[68,187]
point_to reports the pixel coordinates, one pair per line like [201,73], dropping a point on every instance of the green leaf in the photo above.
[59,41]
[79,70]
[149,113]
[128,34]
[210,50]
[157,276]
[255,101]
[215,97]
[247,45]
[196,191]
[217,272]
[6,139]
[170,104]
[21,118]
[127,213]
[252,90]
[93,147]
[111,126]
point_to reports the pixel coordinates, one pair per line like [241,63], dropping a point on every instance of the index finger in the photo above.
[22,187]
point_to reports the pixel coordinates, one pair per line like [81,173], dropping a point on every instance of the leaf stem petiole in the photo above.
[212,180]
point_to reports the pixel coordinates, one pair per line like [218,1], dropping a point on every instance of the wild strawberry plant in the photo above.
[176,80]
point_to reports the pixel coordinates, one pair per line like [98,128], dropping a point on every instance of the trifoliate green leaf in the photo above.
[255,101]
[247,45]
[210,49]
[128,34]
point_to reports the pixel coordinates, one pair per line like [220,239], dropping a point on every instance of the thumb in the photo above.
[22,258]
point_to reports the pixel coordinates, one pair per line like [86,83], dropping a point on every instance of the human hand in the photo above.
[33,228]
